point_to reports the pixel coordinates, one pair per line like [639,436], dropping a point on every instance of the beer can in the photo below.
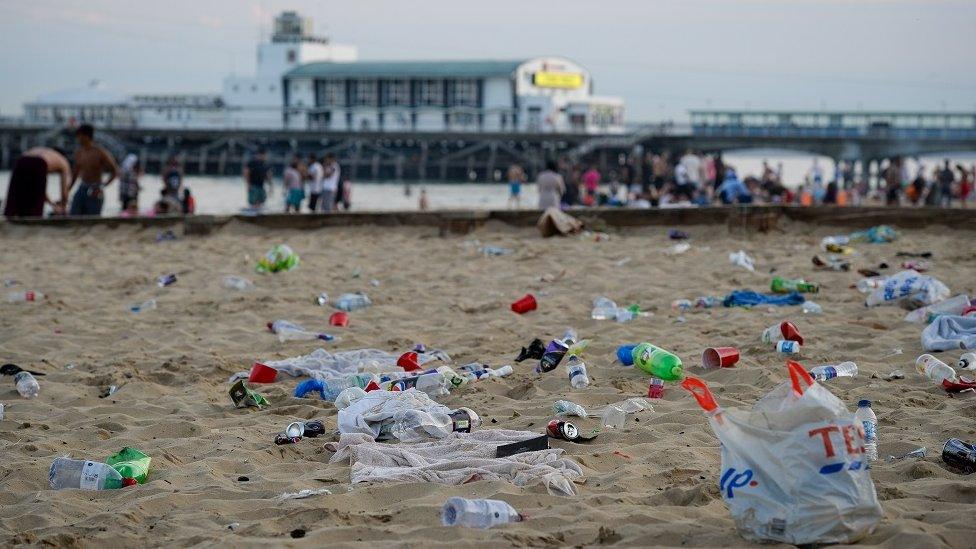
[959,455]
[562,430]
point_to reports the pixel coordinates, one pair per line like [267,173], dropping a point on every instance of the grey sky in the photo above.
[663,57]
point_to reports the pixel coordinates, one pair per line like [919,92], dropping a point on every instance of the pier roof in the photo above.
[407,69]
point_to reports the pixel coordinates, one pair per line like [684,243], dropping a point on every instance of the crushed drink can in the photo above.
[562,430]
[166,280]
[959,455]
[555,352]
[322,299]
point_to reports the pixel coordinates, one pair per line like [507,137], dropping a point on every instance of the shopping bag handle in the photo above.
[799,376]
[701,392]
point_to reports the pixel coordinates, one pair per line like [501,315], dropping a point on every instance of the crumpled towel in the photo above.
[457,459]
[749,298]
[949,332]
[321,364]
[374,414]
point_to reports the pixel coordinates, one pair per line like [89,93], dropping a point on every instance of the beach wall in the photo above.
[760,218]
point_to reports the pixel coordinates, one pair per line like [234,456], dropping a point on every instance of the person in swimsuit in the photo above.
[91,163]
[516,177]
[256,175]
[27,191]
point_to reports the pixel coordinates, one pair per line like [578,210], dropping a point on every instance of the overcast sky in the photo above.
[662,57]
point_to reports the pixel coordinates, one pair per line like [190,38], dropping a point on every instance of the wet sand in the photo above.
[652,483]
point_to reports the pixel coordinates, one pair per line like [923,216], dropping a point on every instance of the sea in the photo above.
[227,195]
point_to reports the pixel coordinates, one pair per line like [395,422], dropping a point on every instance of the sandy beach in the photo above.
[653,483]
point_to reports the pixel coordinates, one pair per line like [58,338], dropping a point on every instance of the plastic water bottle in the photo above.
[148,305]
[237,282]
[934,369]
[844,369]
[867,285]
[867,418]
[289,331]
[952,306]
[478,513]
[416,425]
[352,302]
[576,369]
[811,308]
[569,408]
[86,475]
[26,385]
[603,309]
[329,389]
[22,296]
[1,411]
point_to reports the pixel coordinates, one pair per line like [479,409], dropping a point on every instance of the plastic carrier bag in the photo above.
[792,467]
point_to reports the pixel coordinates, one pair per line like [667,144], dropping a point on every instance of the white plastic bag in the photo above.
[917,289]
[792,467]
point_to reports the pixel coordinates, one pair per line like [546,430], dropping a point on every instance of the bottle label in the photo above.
[29,295]
[870,431]
[830,372]
[90,475]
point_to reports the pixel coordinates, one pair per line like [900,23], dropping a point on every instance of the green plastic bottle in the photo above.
[782,285]
[658,362]
[130,463]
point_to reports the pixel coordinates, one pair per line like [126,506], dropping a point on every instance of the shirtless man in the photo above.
[91,163]
[27,192]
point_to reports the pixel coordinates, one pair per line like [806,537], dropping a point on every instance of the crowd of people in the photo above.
[658,179]
[698,179]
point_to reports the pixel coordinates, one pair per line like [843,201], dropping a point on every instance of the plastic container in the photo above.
[27,385]
[952,306]
[166,280]
[148,305]
[658,362]
[967,361]
[236,283]
[656,388]
[576,370]
[625,354]
[742,260]
[787,347]
[24,296]
[289,331]
[131,464]
[525,304]
[783,330]
[934,369]
[352,302]
[844,369]
[603,309]
[478,513]
[720,357]
[811,308]
[81,474]
[867,418]
[568,408]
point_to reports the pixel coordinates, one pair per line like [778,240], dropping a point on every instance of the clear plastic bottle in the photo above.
[25,295]
[952,306]
[576,369]
[603,309]
[26,385]
[86,475]
[352,302]
[570,336]
[478,513]
[934,369]
[417,425]
[811,308]
[289,331]
[569,408]
[615,415]
[867,285]
[844,369]
[148,305]
[682,304]
[237,282]
[867,418]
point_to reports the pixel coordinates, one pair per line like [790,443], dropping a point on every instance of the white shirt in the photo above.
[318,173]
[692,166]
[331,181]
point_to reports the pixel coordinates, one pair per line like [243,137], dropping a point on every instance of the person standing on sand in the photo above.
[173,178]
[551,186]
[256,175]
[330,183]
[423,203]
[91,163]
[294,187]
[27,190]
[129,185]
[591,184]
[316,173]
[516,177]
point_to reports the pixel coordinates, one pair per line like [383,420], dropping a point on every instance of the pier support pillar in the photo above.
[422,167]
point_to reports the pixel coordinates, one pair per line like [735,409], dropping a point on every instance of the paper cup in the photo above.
[720,357]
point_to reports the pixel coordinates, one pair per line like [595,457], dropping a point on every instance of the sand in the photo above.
[652,483]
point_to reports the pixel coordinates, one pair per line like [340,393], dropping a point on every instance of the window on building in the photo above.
[364,92]
[431,92]
[330,93]
[464,93]
[292,56]
[397,93]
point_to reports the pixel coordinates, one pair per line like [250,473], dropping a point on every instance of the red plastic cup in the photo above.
[408,361]
[261,373]
[372,386]
[339,318]
[720,357]
[968,310]
[525,304]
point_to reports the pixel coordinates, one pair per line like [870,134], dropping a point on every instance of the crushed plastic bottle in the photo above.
[868,285]
[411,425]
[844,369]
[615,415]
[811,308]
[741,259]
[603,309]
[148,305]
[289,331]
[27,385]
[237,283]
[166,280]
[934,369]
[867,418]
[678,249]
[569,408]
[576,370]
[478,513]
[24,296]
[66,473]
[952,306]
[918,453]
[352,302]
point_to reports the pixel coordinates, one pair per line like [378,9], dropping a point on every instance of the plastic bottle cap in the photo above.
[128,481]
[864,404]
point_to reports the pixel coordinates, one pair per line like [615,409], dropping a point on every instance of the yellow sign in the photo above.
[563,80]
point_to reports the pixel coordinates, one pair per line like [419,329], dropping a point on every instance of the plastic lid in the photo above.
[864,403]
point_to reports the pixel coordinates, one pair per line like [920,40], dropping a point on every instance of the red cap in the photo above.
[408,361]
[129,481]
[791,332]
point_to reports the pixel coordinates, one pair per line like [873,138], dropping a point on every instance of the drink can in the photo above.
[166,280]
[788,347]
[555,352]
[959,455]
[656,388]
[562,429]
